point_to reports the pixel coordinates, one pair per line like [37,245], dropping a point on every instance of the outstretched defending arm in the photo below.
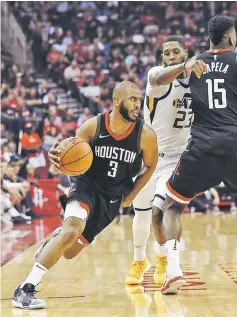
[164,76]
[149,149]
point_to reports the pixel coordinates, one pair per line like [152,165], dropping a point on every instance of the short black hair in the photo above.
[175,38]
[218,26]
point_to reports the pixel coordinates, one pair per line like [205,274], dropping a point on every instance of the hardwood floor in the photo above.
[93,283]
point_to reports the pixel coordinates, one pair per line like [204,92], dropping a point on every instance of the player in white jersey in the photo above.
[167,110]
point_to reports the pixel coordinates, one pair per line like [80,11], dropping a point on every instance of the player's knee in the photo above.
[69,235]
[172,205]
[142,219]
[72,229]
[157,216]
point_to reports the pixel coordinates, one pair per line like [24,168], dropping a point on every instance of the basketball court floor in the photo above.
[92,284]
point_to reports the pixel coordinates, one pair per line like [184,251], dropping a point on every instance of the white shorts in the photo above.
[154,191]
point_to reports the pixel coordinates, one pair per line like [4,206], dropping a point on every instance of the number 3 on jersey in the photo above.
[114,167]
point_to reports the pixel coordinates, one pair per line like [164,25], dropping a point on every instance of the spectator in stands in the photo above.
[38,50]
[12,74]
[72,72]
[29,79]
[69,121]
[50,97]
[6,135]
[32,147]
[5,151]
[89,71]
[38,158]
[53,118]
[30,139]
[32,97]
[16,190]
[13,99]
[13,121]
[26,204]
[31,175]
[50,138]
[42,90]
[5,203]
[84,116]
[12,172]
[4,89]
[67,40]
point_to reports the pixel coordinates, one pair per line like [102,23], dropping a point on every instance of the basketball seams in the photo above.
[72,148]
[85,169]
[78,162]
[77,159]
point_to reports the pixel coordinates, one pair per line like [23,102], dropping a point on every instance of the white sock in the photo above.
[172,253]
[141,232]
[139,253]
[36,275]
[161,250]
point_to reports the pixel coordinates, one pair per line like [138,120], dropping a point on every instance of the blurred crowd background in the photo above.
[77,52]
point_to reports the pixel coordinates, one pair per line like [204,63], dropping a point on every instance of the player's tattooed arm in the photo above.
[149,149]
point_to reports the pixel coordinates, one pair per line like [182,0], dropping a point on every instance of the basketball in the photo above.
[76,156]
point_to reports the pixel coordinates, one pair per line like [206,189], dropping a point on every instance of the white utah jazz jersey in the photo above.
[167,110]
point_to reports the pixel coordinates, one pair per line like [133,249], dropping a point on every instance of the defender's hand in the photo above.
[53,155]
[126,202]
[197,66]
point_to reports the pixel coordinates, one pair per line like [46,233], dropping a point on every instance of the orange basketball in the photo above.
[76,156]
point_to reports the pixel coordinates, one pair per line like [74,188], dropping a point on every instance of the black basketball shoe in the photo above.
[24,298]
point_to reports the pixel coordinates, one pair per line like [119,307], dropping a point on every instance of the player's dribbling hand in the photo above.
[126,202]
[53,152]
[195,65]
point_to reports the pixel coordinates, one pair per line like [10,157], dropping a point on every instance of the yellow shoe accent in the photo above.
[135,290]
[137,271]
[160,271]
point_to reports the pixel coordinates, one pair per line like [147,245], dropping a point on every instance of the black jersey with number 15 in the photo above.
[214,103]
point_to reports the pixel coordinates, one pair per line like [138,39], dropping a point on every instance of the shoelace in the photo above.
[161,262]
[31,292]
[137,268]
